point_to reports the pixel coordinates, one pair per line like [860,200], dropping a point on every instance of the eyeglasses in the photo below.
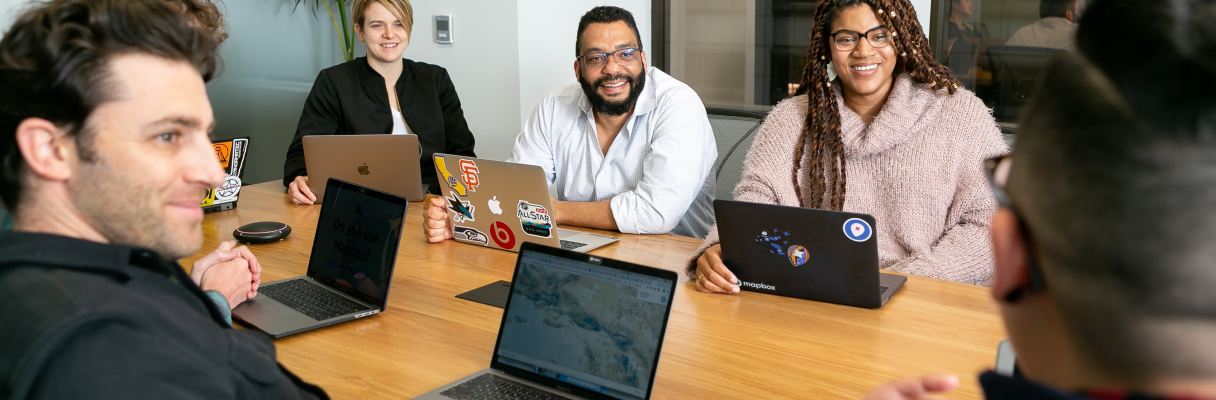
[997,169]
[846,40]
[624,57]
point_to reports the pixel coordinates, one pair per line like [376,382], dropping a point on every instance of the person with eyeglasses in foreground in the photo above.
[1103,240]
[894,135]
[629,147]
[105,154]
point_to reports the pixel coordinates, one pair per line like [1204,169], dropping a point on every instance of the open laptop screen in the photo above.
[356,243]
[585,325]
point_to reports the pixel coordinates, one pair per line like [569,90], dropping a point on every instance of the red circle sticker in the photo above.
[502,234]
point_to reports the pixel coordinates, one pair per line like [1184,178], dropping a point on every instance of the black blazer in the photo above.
[350,99]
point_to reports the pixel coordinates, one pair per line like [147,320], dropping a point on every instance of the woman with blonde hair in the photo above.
[894,135]
[382,93]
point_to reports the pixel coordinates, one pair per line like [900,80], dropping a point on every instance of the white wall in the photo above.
[9,9]
[547,32]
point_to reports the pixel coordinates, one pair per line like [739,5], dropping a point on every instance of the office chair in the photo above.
[734,131]
[1015,70]
[6,220]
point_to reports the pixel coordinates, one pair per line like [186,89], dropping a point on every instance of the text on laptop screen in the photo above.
[587,325]
[357,239]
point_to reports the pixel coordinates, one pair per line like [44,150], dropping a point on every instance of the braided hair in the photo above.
[821,136]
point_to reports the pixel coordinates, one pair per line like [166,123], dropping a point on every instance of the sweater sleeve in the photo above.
[964,251]
[458,139]
[769,165]
[321,116]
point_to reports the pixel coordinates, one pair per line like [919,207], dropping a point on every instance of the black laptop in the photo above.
[350,268]
[576,326]
[805,253]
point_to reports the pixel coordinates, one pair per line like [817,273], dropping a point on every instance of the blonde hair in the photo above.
[400,8]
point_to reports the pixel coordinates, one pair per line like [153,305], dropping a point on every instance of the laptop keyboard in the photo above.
[490,386]
[315,302]
[571,245]
[882,289]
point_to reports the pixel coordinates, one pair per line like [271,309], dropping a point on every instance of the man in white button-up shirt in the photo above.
[1057,29]
[629,148]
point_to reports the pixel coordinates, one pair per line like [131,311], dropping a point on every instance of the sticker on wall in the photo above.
[466,234]
[503,235]
[775,241]
[798,255]
[461,210]
[468,174]
[534,219]
[453,183]
[857,230]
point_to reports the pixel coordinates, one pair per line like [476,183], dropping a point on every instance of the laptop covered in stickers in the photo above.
[231,154]
[503,205]
[805,253]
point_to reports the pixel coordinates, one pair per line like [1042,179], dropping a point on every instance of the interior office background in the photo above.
[739,54]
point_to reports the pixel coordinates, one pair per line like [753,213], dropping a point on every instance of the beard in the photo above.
[126,211]
[605,107]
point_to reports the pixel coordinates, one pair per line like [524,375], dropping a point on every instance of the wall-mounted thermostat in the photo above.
[443,28]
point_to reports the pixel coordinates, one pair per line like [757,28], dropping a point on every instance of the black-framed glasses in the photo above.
[846,40]
[997,169]
[624,57]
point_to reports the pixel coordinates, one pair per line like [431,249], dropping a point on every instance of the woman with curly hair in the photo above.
[894,135]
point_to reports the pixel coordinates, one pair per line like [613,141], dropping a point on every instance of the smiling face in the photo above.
[384,35]
[152,159]
[865,70]
[612,88]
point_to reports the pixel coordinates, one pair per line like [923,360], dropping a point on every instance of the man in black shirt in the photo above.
[104,158]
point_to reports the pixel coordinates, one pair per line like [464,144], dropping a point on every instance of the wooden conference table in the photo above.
[747,346]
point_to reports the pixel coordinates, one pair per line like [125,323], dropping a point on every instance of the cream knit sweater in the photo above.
[918,169]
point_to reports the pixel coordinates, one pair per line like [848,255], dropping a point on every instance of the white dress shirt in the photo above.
[656,171]
[1050,32]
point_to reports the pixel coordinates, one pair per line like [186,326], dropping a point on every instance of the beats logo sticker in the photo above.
[502,235]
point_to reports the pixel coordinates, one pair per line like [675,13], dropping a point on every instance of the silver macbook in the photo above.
[388,163]
[503,205]
[349,271]
[575,326]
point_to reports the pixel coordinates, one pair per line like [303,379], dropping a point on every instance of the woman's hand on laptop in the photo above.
[435,221]
[300,193]
[914,388]
[712,274]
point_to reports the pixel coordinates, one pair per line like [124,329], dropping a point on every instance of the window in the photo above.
[749,54]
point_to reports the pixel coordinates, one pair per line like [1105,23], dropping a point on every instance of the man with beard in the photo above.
[105,154]
[629,147]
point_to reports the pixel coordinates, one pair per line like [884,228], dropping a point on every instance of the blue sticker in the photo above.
[798,255]
[770,239]
[857,230]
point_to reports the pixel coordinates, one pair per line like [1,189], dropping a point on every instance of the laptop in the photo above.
[503,205]
[350,269]
[231,155]
[804,253]
[388,163]
[576,326]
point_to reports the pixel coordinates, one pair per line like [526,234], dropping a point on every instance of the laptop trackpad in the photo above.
[271,316]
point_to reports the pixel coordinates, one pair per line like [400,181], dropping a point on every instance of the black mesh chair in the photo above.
[734,131]
[1015,71]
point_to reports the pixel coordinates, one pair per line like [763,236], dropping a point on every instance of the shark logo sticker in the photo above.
[461,210]
[453,183]
[534,219]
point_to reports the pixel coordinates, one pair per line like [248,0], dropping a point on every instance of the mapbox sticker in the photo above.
[798,255]
[534,219]
[453,183]
[468,174]
[857,230]
[461,210]
[466,234]
[775,241]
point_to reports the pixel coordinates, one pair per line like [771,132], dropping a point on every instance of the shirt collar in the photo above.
[20,249]
[646,102]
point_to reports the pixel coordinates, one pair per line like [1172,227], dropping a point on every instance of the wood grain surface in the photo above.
[747,346]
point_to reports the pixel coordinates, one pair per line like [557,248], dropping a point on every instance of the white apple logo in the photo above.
[495,206]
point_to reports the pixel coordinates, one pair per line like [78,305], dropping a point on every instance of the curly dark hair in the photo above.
[605,15]
[207,15]
[54,65]
[821,137]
